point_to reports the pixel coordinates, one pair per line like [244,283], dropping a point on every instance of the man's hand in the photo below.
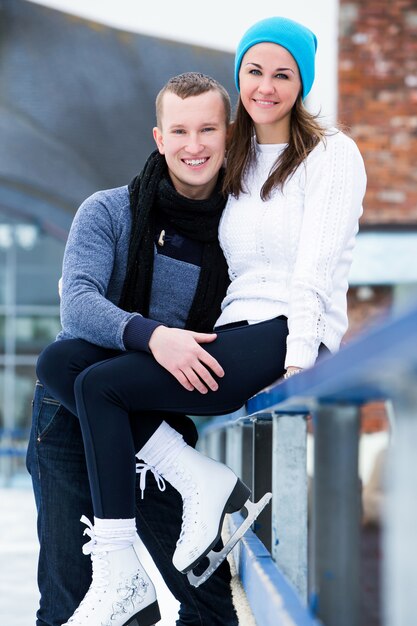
[179,351]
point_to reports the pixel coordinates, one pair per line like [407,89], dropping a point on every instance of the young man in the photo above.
[122,258]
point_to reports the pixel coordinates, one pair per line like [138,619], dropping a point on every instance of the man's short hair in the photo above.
[192,84]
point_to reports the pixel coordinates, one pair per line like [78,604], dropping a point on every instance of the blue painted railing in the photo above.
[307,570]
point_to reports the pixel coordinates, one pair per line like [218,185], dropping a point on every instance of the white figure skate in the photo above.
[121,592]
[209,490]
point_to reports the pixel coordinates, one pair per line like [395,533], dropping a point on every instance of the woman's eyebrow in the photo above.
[278,69]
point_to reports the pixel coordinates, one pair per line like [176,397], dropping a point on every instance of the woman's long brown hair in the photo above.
[305,134]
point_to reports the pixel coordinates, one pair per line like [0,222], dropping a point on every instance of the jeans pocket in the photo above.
[45,410]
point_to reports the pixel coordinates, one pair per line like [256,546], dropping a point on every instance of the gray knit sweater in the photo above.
[94,267]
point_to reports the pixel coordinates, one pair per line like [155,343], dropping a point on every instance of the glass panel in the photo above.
[31,260]
[2,333]
[2,276]
[30,267]
[24,385]
[34,332]
[1,399]
[38,271]
[24,388]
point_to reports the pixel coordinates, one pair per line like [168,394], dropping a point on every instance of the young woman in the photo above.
[288,230]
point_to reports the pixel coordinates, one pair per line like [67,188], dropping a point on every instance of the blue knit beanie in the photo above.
[295,37]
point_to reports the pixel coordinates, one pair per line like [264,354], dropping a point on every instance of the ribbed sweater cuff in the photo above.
[138,332]
[299,354]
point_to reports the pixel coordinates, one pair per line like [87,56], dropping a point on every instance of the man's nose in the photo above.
[194,145]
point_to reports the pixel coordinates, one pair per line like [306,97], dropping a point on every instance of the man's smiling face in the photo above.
[192,138]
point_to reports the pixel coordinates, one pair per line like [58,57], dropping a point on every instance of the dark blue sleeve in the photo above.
[138,332]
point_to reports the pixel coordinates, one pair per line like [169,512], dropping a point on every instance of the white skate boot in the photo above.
[209,490]
[121,592]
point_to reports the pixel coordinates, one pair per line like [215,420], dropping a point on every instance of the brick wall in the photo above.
[367,306]
[378,101]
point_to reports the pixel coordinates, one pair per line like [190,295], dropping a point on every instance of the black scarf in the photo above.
[153,191]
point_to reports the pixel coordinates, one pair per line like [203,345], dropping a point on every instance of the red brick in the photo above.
[377,85]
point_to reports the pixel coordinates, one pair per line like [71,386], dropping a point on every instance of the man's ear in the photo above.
[159,139]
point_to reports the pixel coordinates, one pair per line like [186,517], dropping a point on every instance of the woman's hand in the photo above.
[180,353]
[291,370]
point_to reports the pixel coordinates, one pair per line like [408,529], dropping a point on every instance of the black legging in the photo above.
[106,387]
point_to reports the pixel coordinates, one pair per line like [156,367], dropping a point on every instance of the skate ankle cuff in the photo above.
[108,535]
[165,444]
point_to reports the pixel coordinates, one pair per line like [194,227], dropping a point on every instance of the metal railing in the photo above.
[309,569]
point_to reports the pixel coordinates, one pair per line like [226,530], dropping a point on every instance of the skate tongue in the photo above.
[142,469]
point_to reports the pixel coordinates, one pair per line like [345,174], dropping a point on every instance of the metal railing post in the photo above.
[290,499]
[262,475]
[400,521]
[336,515]
[234,442]
[234,448]
[239,444]
[246,451]
[216,445]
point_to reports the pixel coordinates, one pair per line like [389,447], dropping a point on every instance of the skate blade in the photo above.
[216,558]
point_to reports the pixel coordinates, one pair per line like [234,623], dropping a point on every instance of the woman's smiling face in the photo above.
[270,83]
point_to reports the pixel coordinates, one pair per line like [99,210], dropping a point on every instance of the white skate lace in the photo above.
[142,469]
[189,494]
[100,575]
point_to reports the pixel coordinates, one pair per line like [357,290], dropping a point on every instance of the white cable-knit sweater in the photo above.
[291,255]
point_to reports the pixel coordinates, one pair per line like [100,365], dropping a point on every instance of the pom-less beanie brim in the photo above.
[294,37]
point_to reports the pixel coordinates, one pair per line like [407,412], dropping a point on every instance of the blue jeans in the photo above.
[56,462]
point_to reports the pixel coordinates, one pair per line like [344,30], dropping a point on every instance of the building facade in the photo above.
[76,115]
